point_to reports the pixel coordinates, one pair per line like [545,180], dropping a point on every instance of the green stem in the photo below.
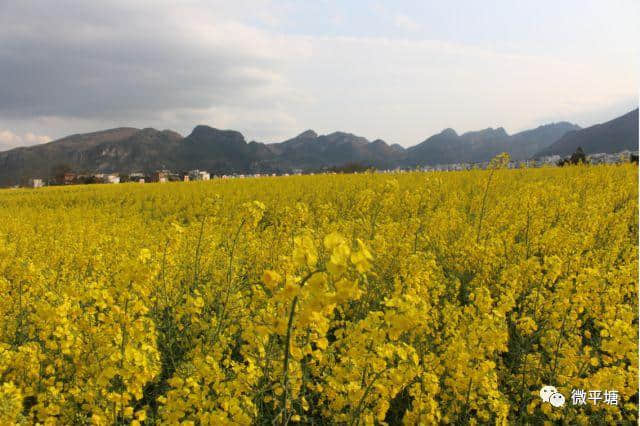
[356,413]
[484,203]
[287,345]
[197,259]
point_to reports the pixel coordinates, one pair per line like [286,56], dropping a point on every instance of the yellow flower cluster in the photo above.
[415,298]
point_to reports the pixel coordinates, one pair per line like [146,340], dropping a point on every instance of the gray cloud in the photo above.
[84,61]
[74,66]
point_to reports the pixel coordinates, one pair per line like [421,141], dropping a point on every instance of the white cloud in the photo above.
[31,139]
[405,90]
[9,139]
[337,19]
[405,23]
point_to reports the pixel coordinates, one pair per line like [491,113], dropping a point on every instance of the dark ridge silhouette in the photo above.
[127,150]
[617,135]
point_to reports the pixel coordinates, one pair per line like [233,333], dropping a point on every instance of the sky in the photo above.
[397,70]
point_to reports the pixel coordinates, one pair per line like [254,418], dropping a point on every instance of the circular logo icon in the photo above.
[556,399]
[546,392]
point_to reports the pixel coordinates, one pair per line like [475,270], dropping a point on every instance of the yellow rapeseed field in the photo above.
[412,298]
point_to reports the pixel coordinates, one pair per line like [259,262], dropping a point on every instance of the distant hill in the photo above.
[310,151]
[613,136]
[222,151]
[449,147]
[125,149]
[128,150]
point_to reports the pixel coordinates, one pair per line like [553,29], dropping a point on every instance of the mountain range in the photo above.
[127,150]
[613,136]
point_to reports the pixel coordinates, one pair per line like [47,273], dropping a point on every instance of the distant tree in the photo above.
[58,171]
[87,179]
[578,156]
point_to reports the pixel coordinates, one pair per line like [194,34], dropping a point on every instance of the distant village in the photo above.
[161,176]
[549,161]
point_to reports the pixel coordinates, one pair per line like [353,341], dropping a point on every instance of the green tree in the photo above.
[578,156]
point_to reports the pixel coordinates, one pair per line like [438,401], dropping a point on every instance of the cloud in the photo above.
[8,139]
[337,19]
[118,63]
[85,66]
[405,90]
[132,60]
[405,23]
[31,139]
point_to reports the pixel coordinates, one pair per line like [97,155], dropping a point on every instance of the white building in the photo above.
[606,158]
[36,183]
[551,159]
[199,175]
[112,178]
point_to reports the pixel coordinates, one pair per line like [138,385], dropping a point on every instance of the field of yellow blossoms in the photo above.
[409,298]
